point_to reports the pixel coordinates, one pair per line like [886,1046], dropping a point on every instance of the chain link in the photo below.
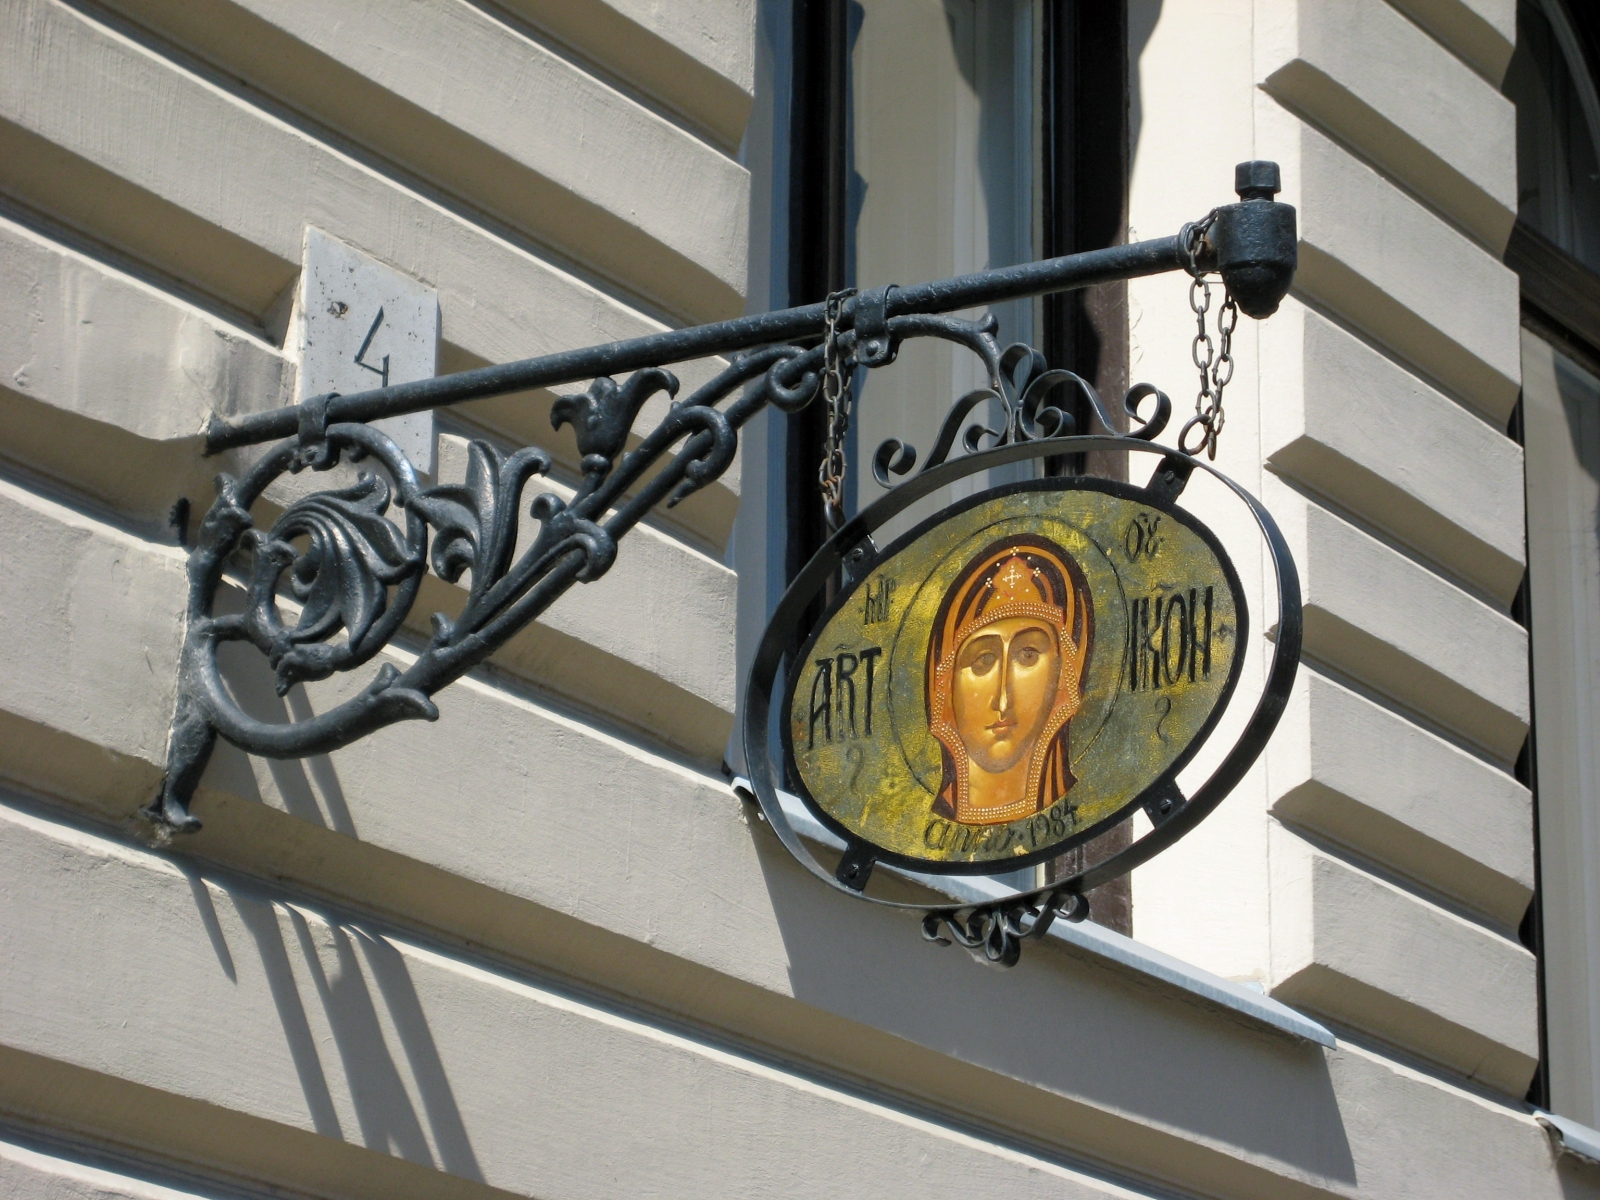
[837,397]
[1213,359]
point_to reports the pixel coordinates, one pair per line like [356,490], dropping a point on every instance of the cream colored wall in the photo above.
[539,948]
[1376,866]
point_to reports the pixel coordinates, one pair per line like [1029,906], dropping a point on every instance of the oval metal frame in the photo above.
[999,937]
[1163,781]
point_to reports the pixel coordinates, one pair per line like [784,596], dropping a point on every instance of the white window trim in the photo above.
[1090,938]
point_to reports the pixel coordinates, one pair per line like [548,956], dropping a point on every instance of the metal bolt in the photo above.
[1257,180]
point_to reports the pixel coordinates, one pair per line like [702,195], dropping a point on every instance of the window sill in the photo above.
[1570,1137]
[1094,939]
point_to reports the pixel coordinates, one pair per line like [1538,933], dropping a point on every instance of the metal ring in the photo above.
[1203,422]
[1190,238]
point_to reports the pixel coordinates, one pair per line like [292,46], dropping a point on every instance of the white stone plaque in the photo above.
[363,325]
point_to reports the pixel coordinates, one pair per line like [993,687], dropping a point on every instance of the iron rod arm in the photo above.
[677,345]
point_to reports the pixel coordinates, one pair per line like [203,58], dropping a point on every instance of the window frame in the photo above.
[1560,305]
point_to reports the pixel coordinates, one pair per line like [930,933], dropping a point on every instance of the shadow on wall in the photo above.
[1142,18]
[355,991]
[1578,1179]
[358,986]
[1059,1024]
[308,788]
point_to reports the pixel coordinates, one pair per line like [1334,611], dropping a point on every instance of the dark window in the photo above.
[935,137]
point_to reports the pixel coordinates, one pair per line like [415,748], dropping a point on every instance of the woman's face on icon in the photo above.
[1004,690]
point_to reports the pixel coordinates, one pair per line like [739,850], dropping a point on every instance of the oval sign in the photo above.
[1014,675]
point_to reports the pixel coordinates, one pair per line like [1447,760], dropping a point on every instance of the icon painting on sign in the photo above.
[1014,675]
[1004,678]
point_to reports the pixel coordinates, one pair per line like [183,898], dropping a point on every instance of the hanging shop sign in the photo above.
[1015,675]
[1020,673]
[1037,663]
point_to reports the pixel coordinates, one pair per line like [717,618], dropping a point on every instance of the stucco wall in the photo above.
[1380,859]
[539,947]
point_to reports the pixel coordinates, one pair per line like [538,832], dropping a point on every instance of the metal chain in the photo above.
[1214,360]
[836,395]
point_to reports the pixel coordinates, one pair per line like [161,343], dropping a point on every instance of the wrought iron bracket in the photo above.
[329,585]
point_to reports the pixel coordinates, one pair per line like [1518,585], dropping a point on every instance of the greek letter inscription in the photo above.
[1164,704]
[1169,640]
[1141,539]
[879,597]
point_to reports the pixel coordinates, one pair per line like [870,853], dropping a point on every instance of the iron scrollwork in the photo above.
[364,550]
[1022,383]
[995,932]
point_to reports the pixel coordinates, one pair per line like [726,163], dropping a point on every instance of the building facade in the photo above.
[544,946]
